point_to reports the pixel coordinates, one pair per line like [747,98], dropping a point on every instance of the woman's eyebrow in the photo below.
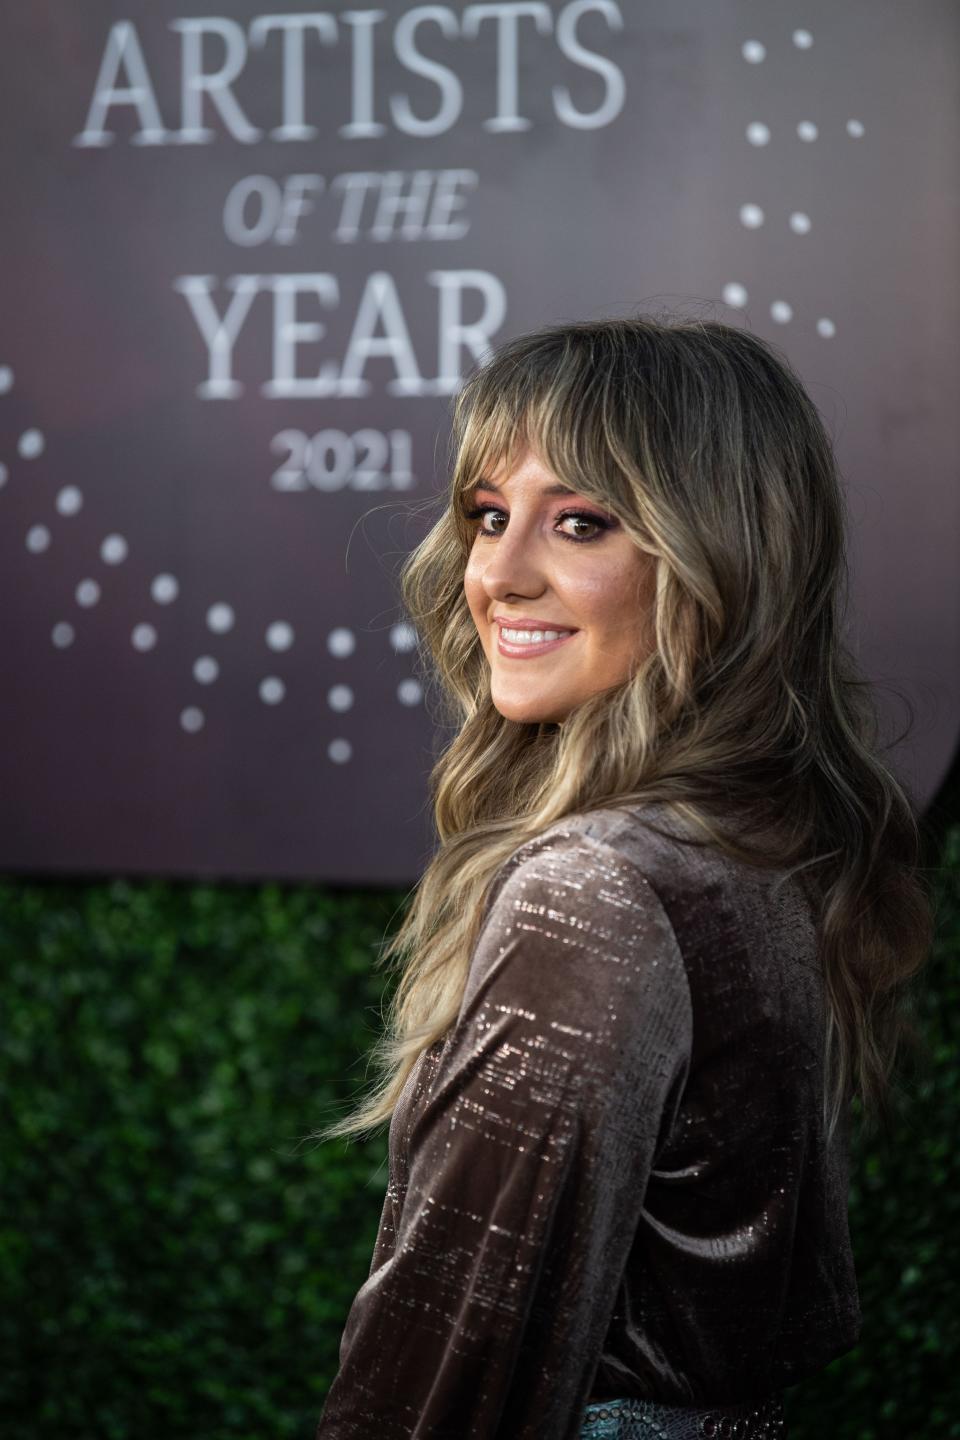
[557,489]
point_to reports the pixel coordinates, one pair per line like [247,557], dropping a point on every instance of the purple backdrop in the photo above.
[247,259]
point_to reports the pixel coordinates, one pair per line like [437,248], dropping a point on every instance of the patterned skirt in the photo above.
[649,1420]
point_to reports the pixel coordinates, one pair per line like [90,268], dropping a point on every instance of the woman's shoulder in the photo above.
[716,901]
[571,912]
[664,852]
[645,886]
[639,830]
[590,852]
[681,844]
[648,836]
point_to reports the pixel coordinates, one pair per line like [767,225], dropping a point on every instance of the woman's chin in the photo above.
[528,712]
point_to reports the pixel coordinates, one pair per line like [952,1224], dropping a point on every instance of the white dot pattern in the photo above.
[144,637]
[30,445]
[403,637]
[114,550]
[279,635]
[272,690]
[340,697]
[409,692]
[752,217]
[69,500]
[220,618]
[164,589]
[341,642]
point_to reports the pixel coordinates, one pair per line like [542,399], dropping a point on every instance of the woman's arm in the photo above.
[527,1166]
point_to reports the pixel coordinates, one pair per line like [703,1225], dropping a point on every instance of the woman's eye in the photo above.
[578,517]
[598,525]
[480,513]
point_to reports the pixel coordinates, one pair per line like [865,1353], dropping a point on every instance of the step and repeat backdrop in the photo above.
[248,258]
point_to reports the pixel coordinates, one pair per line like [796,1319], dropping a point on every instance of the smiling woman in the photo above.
[663,941]
[531,575]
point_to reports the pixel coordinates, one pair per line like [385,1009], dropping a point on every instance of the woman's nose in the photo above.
[515,567]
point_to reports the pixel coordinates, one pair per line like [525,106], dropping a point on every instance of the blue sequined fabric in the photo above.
[630,1419]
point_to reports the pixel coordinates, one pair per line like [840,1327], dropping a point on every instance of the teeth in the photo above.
[531,637]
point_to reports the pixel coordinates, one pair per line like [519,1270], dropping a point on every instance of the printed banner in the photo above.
[249,258]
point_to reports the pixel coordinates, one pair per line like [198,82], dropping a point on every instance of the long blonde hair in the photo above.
[701,439]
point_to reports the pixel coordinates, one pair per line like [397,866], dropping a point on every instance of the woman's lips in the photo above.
[530,651]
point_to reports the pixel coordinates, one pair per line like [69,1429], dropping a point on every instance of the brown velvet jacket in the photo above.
[611,1177]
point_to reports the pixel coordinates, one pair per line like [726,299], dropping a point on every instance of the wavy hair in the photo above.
[702,440]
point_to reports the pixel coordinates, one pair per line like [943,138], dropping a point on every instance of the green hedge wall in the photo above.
[177,1258]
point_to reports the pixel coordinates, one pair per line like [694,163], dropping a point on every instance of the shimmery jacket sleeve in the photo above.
[528,1159]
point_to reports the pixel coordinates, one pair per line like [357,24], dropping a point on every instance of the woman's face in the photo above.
[535,566]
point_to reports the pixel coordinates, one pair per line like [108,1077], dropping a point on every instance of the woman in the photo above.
[663,941]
